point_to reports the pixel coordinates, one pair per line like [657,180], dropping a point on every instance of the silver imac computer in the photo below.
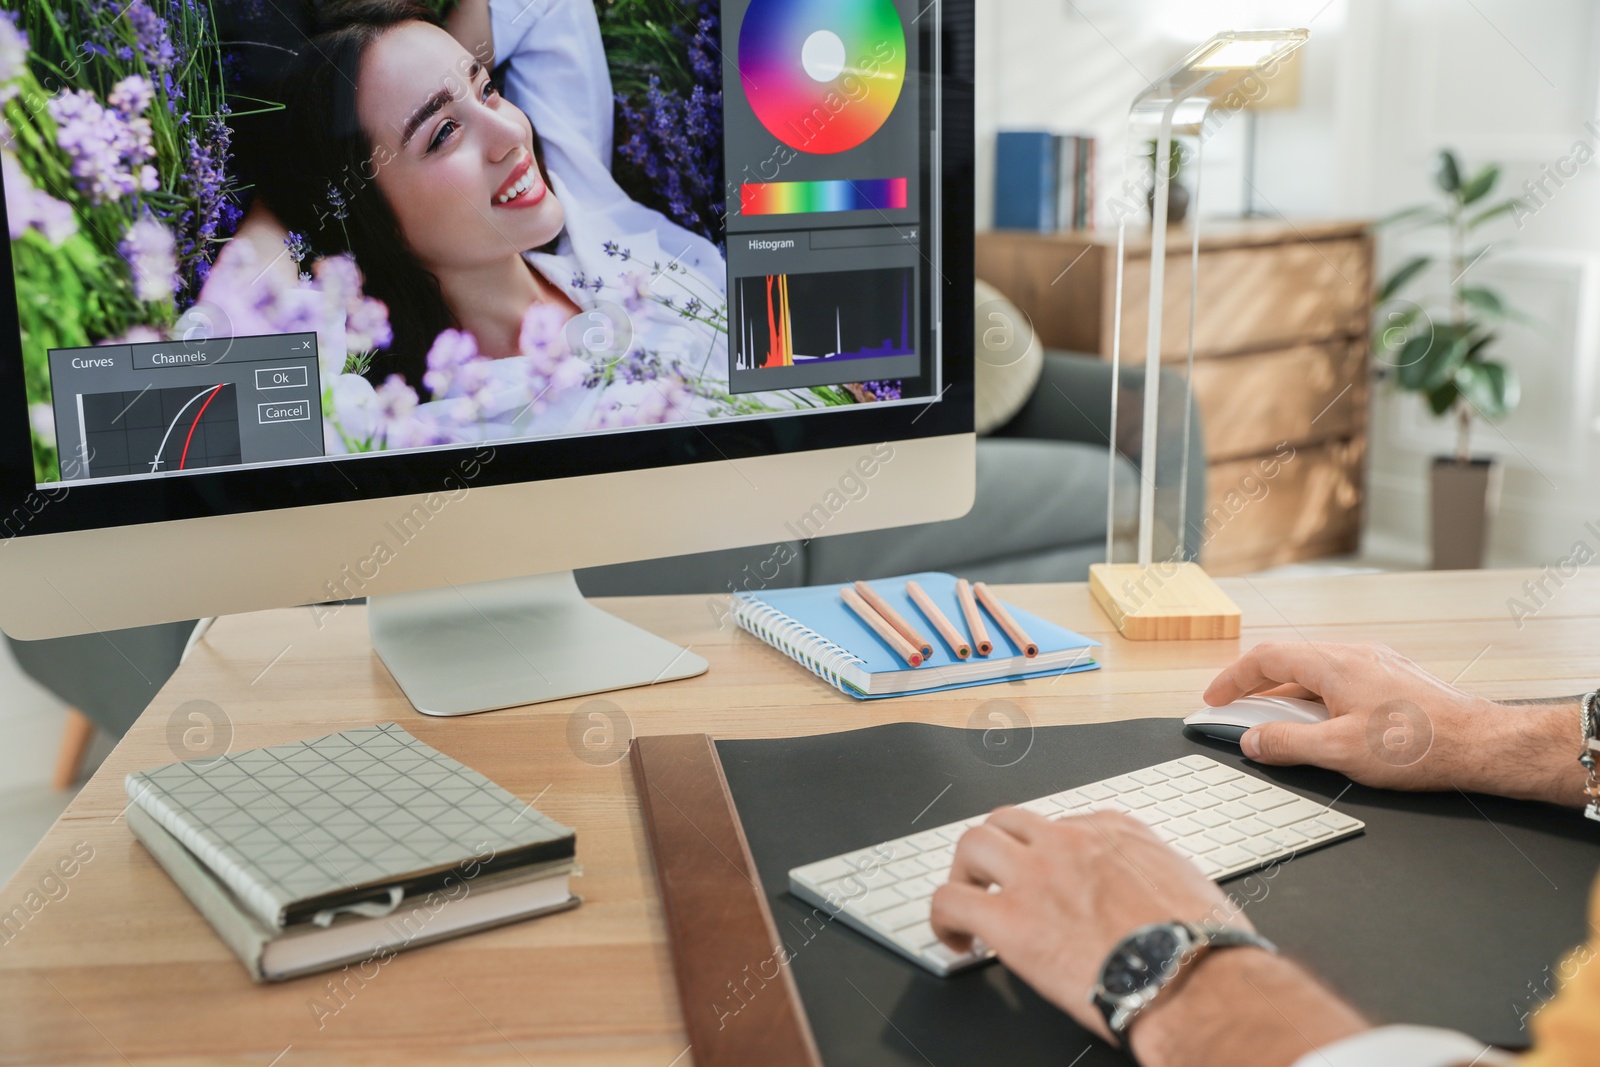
[431,303]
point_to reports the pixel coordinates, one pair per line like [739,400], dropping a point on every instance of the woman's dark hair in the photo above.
[323,186]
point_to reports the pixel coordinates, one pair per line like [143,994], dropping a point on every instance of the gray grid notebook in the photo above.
[299,828]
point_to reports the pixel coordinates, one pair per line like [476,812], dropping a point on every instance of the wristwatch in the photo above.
[1147,960]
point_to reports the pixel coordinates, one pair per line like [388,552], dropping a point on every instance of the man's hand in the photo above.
[1395,726]
[1070,889]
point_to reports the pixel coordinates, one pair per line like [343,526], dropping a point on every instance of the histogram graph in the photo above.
[792,320]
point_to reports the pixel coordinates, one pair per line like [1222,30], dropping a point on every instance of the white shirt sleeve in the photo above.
[1406,1046]
[556,73]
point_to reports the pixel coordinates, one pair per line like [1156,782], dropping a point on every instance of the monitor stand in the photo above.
[464,649]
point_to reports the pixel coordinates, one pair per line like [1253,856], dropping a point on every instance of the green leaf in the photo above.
[1404,274]
[1485,300]
[1480,183]
[1495,212]
[1429,358]
[1447,172]
[1442,399]
[1491,388]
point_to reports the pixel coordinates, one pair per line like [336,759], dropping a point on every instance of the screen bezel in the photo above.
[71,506]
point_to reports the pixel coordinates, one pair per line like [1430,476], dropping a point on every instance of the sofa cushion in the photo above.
[1009,358]
[1033,496]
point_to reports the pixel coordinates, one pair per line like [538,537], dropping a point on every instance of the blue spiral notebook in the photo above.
[813,627]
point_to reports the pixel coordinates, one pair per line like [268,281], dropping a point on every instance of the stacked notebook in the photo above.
[347,848]
[814,627]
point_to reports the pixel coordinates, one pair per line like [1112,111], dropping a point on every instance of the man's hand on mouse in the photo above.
[1395,726]
[1070,889]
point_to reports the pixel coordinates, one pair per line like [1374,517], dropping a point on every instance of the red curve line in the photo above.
[198,415]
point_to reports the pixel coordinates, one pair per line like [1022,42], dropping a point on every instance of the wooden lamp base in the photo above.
[1164,602]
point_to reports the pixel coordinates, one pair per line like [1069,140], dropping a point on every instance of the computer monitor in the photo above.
[432,303]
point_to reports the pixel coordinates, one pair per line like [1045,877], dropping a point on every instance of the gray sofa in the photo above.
[1039,516]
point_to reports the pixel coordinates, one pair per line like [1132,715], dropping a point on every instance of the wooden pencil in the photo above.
[1018,635]
[864,612]
[895,619]
[975,626]
[951,635]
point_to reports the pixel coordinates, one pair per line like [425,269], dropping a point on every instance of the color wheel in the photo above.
[822,75]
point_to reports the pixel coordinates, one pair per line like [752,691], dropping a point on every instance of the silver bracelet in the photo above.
[1589,755]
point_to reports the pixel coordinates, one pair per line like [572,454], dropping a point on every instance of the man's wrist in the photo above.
[1529,753]
[1239,1005]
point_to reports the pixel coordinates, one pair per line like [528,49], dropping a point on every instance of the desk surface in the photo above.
[120,969]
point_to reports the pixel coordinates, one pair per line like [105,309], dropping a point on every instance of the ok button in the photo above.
[281,378]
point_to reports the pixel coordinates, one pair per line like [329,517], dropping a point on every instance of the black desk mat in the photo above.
[1450,910]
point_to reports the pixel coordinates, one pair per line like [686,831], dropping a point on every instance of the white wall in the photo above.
[31,721]
[1385,84]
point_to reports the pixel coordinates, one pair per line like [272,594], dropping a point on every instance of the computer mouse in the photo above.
[1229,722]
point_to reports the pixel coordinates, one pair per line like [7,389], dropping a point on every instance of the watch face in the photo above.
[1145,957]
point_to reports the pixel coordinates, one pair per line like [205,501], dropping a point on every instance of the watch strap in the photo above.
[1197,939]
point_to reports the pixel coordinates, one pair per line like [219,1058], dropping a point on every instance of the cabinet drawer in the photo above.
[1261,512]
[1274,296]
[1251,404]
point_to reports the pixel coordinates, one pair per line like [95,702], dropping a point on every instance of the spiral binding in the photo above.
[802,644]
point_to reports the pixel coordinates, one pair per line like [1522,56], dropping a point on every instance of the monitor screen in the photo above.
[273,254]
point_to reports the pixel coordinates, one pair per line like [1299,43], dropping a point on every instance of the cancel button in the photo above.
[284,411]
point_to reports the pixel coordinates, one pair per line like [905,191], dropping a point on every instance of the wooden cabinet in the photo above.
[1281,370]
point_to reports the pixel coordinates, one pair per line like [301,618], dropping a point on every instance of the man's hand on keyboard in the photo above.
[1395,726]
[1071,888]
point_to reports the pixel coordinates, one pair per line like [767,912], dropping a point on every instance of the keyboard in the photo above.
[1224,820]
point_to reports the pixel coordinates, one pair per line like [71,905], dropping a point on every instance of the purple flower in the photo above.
[13,54]
[451,350]
[542,338]
[110,151]
[132,95]
[151,253]
[150,35]
[213,214]
[396,399]
[29,208]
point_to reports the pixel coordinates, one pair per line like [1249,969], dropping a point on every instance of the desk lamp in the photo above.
[1148,586]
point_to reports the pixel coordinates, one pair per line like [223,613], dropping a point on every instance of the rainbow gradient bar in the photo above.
[805,198]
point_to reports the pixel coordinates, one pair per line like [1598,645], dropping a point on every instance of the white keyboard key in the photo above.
[1167,834]
[1071,799]
[1234,810]
[1232,858]
[1198,845]
[1252,785]
[1291,813]
[1272,798]
[1043,806]
[906,869]
[815,874]
[1289,839]
[916,937]
[892,919]
[926,841]
[1260,847]
[1149,776]
[1198,763]
[1150,816]
[1206,799]
[1174,768]
[939,859]
[1135,801]
[920,887]
[1339,820]
[1175,808]
[1218,774]
[1186,827]
[1208,819]
[946,957]
[1227,792]
[1125,784]
[1162,792]
[1225,835]
[1191,784]
[1098,791]
[875,901]
[952,833]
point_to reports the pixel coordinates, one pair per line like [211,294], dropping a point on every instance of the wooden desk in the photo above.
[122,970]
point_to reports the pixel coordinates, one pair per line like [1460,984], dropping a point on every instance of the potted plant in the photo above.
[1177,195]
[1439,345]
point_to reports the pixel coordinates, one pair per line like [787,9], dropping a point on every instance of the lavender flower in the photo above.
[337,205]
[132,95]
[396,399]
[451,350]
[110,151]
[13,54]
[150,36]
[213,214]
[29,208]
[151,253]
